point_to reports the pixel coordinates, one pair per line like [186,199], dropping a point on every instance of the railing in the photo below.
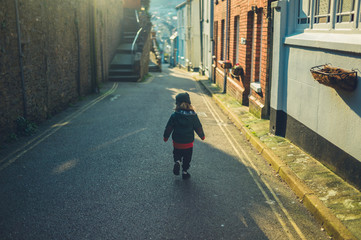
[136,15]
[134,43]
[136,37]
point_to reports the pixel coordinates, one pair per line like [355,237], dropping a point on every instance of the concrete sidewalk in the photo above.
[333,202]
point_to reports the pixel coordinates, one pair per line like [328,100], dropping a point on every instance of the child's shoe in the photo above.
[185,175]
[176,168]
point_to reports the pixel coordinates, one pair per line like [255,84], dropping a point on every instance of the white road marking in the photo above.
[246,160]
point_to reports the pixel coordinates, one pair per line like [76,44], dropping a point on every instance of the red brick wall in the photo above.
[250,22]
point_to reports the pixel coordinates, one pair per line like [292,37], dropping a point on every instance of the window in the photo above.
[328,14]
[215,38]
[236,40]
[304,12]
[223,35]
[345,11]
[322,11]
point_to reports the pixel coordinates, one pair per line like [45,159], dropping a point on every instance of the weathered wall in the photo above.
[144,60]
[132,4]
[56,40]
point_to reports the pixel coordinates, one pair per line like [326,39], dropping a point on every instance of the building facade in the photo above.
[181,29]
[206,20]
[173,59]
[188,28]
[242,37]
[325,121]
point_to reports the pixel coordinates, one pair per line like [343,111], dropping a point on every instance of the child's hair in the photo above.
[184,106]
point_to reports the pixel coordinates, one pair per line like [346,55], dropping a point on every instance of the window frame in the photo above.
[332,24]
[237,38]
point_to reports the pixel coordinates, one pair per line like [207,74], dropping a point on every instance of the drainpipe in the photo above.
[93,47]
[212,39]
[269,57]
[201,37]
[226,48]
[25,110]
[76,23]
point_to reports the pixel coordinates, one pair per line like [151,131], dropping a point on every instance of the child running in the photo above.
[183,122]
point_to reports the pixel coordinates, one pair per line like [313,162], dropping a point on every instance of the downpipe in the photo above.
[226,48]
[201,20]
[21,56]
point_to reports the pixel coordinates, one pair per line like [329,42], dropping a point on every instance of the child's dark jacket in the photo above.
[183,124]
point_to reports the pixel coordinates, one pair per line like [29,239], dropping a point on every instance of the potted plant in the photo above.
[227,64]
[237,70]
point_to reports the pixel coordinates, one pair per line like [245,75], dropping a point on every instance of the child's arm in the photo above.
[168,129]
[200,133]
[199,129]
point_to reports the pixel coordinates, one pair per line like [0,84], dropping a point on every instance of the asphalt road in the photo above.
[100,170]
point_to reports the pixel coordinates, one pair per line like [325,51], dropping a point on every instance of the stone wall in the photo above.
[60,41]
[144,60]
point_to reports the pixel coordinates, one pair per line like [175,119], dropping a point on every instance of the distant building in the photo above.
[181,29]
[207,36]
[189,34]
[173,59]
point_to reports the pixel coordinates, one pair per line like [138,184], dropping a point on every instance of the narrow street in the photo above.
[102,171]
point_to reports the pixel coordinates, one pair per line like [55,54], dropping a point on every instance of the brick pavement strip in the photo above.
[332,201]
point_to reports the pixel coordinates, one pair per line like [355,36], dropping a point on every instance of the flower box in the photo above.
[335,77]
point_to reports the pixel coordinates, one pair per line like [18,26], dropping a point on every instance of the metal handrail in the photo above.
[136,15]
[138,33]
[134,43]
[136,39]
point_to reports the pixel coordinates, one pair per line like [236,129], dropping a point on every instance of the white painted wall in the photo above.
[334,115]
[181,29]
[207,36]
[195,34]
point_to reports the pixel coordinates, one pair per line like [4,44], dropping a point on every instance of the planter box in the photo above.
[335,77]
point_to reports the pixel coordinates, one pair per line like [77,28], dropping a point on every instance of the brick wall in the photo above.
[56,46]
[253,55]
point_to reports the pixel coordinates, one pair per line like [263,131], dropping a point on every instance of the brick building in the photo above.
[241,35]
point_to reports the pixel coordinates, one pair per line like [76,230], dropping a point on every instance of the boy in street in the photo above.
[182,124]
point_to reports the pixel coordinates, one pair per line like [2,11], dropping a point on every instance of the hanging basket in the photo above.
[335,77]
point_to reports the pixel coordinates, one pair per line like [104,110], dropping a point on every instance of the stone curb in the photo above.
[331,223]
